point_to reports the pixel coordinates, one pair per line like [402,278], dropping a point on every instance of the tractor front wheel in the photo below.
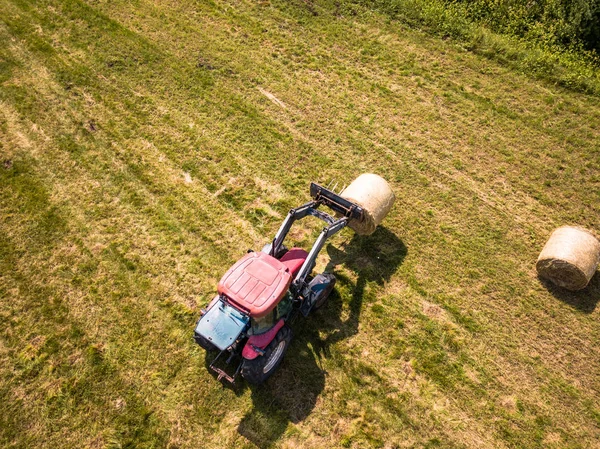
[322,286]
[205,343]
[258,370]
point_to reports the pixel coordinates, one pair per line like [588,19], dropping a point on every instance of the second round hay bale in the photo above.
[570,257]
[375,196]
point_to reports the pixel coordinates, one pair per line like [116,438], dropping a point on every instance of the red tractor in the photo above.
[247,321]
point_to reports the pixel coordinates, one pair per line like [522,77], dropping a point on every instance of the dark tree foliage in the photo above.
[563,22]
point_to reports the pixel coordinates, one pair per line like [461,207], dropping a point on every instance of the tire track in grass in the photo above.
[42,338]
[76,118]
[75,300]
[297,134]
[76,177]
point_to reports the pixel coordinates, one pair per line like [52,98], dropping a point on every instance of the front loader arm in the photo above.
[310,261]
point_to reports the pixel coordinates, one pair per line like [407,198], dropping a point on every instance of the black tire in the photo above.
[258,370]
[205,343]
[281,252]
[323,295]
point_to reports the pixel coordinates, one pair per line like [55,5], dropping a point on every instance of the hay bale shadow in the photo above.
[374,258]
[584,300]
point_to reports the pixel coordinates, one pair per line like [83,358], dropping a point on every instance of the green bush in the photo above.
[557,40]
[555,22]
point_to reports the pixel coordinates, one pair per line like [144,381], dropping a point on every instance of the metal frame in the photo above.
[221,373]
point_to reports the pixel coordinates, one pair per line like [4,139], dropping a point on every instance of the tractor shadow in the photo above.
[292,392]
[584,300]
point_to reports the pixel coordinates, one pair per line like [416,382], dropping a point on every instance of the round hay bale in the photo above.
[570,257]
[375,196]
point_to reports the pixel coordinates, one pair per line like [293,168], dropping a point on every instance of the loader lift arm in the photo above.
[334,201]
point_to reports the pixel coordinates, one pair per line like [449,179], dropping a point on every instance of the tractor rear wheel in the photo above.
[258,370]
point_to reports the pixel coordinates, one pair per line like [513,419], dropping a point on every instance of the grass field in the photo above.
[146,145]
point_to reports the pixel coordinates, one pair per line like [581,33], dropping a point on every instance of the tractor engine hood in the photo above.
[222,325]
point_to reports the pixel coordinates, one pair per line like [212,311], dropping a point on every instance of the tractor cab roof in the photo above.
[256,283]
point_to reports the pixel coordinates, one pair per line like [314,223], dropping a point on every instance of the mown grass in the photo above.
[141,157]
[537,52]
